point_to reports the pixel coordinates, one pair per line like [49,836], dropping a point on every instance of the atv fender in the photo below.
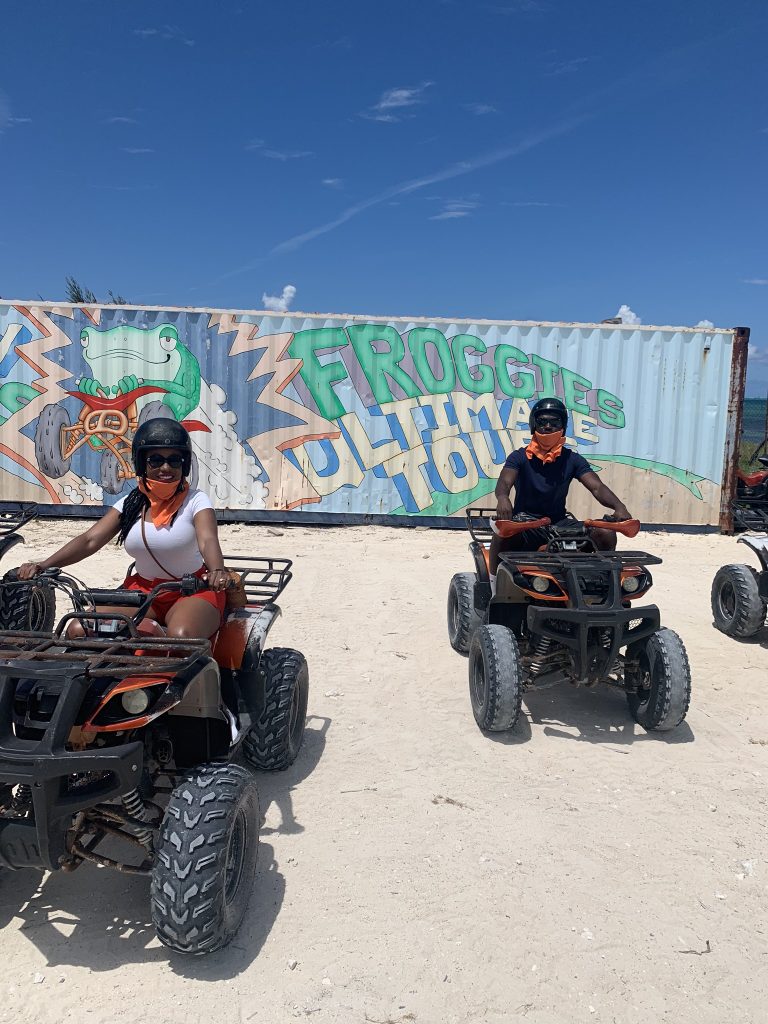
[243,628]
[759,544]
[9,541]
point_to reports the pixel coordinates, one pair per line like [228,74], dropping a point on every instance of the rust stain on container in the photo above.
[733,435]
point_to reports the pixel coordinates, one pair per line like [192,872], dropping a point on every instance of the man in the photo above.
[541,474]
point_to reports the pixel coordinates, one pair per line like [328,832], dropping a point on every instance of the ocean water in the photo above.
[753,419]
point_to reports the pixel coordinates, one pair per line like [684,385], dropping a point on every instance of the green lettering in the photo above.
[610,409]
[483,383]
[418,340]
[320,377]
[549,371]
[378,366]
[524,384]
[571,382]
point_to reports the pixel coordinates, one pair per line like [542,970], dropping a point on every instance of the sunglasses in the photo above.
[173,461]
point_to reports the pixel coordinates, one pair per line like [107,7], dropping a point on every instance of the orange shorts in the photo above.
[165,601]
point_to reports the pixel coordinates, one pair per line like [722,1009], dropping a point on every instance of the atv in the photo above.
[563,613]
[127,737]
[750,508]
[31,607]
[740,593]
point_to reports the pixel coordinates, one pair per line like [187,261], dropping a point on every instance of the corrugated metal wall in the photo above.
[357,415]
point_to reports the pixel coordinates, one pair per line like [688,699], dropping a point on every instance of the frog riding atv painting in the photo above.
[564,613]
[118,749]
[107,425]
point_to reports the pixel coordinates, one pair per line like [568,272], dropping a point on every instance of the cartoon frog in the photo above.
[124,358]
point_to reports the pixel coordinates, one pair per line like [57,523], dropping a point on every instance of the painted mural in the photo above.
[335,415]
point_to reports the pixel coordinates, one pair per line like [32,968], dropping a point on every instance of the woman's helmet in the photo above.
[160,433]
[551,405]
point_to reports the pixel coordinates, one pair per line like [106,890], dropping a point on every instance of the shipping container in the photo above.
[334,418]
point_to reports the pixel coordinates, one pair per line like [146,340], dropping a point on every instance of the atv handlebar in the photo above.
[506,528]
[626,527]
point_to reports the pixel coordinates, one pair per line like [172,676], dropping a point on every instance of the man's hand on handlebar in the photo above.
[504,509]
[30,569]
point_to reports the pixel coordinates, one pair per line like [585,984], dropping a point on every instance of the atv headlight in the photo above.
[630,584]
[540,584]
[135,701]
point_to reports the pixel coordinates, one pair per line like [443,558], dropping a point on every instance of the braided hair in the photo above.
[133,508]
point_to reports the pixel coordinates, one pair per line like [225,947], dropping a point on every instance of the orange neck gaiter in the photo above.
[546,447]
[164,501]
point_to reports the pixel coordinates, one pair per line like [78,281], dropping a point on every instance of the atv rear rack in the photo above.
[135,656]
[264,579]
[14,515]
[750,515]
[479,524]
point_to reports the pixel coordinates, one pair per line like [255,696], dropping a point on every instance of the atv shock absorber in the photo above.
[541,646]
[134,805]
[22,800]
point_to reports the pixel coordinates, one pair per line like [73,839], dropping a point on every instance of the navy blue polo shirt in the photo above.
[542,487]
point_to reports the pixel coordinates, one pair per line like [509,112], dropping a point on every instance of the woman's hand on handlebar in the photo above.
[218,579]
[30,569]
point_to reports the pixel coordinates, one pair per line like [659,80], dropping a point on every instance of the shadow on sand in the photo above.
[98,919]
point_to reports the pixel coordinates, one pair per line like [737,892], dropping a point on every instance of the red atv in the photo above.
[107,425]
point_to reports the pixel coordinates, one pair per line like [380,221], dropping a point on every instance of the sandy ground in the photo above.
[577,869]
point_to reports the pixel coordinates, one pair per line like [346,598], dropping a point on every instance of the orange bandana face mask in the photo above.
[546,447]
[165,499]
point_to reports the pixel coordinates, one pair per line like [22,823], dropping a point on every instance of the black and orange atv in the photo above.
[563,613]
[31,607]
[128,736]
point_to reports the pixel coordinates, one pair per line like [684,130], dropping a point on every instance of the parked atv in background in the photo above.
[32,606]
[130,736]
[564,614]
[740,593]
[107,425]
[750,507]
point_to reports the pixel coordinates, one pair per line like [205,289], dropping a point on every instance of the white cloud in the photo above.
[171,32]
[757,355]
[137,149]
[254,144]
[397,99]
[705,323]
[279,303]
[628,316]
[277,154]
[756,280]
[532,202]
[565,67]
[455,208]
[480,108]
[121,120]
[333,182]
[19,120]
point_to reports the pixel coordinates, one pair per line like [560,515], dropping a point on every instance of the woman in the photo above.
[167,528]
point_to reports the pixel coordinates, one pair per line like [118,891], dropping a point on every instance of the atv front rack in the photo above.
[595,561]
[100,656]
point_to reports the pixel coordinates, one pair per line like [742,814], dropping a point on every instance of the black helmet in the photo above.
[553,405]
[160,433]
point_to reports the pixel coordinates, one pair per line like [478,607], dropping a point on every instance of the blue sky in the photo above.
[515,159]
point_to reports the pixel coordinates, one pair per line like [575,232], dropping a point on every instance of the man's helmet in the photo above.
[160,433]
[551,405]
